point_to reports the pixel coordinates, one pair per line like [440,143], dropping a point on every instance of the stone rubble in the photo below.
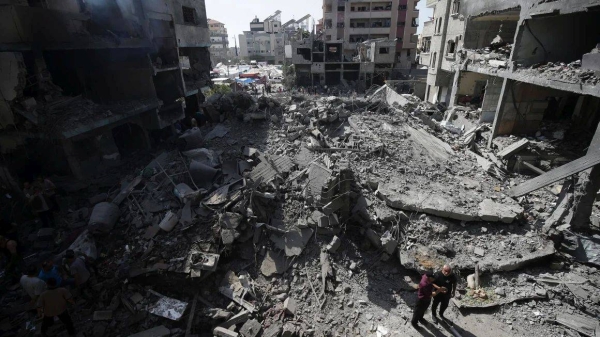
[308,223]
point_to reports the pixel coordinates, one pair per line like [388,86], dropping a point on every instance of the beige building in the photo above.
[219,41]
[352,22]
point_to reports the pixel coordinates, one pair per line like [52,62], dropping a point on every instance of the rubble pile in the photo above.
[312,219]
[564,72]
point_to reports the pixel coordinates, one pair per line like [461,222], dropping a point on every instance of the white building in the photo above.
[264,41]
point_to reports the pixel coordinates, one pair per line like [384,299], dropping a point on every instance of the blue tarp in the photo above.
[244,81]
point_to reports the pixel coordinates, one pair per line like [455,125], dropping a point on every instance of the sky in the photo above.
[237,14]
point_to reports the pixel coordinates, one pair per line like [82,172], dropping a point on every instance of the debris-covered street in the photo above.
[156,183]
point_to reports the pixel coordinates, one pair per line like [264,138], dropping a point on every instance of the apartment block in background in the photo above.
[219,41]
[264,41]
[87,83]
[352,22]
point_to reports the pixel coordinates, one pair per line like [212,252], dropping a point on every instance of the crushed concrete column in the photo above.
[584,197]
[586,189]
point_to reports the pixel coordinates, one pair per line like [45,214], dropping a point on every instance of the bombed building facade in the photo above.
[520,62]
[86,83]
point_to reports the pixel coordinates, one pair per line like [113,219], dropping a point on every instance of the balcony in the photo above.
[370,15]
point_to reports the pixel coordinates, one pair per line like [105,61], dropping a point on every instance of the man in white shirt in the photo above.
[32,285]
[77,268]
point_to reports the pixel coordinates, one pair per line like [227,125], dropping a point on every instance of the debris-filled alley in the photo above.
[141,199]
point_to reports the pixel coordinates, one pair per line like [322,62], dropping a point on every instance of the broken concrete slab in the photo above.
[507,212]
[426,202]
[437,204]
[236,319]
[157,331]
[251,328]
[293,241]
[289,305]
[512,149]
[222,332]
[274,264]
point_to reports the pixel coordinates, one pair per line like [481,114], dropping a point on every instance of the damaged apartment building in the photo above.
[362,41]
[520,62]
[530,69]
[86,83]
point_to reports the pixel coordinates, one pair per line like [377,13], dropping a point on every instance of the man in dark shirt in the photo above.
[445,283]
[424,294]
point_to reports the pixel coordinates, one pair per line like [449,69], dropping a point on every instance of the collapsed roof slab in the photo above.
[435,203]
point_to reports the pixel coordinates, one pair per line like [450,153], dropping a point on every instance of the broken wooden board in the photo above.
[555,175]
[512,149]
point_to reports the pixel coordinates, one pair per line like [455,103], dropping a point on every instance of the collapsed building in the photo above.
[87,83]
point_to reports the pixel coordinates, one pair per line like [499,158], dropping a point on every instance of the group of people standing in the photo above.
[48,291]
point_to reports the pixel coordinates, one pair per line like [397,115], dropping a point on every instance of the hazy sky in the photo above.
[237,14]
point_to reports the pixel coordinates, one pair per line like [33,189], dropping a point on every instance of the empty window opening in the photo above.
[189,15]
[455,6]
[384,50]
[451,47]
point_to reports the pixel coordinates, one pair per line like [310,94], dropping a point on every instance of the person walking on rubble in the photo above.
[53,303]
[445,282]
[424,295]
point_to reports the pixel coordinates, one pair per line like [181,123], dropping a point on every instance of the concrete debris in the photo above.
[299,204]
[251,328]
